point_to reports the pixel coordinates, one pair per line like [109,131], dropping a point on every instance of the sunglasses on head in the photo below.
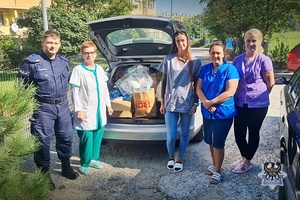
[180,31]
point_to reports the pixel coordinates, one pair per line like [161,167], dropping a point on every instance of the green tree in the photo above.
[72,27]
[193,25]
[16,102]
[97,9]
[70,18]
[232,18]
[12,51]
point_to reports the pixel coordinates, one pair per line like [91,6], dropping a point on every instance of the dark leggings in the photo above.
[251,119]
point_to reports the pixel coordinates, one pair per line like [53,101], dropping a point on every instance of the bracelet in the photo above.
[196,104]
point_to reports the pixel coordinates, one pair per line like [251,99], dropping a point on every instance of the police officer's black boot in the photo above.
[46,172]
[67,171]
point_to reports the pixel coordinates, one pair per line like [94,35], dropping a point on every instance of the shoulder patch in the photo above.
[33,58]
[63,58]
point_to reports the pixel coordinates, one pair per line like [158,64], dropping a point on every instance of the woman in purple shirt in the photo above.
[251,97]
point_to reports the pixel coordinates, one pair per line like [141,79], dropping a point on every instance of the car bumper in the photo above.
[134,133]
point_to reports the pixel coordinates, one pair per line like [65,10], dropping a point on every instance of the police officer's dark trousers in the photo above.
[48,120]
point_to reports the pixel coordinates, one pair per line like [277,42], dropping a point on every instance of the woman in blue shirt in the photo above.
[216,86]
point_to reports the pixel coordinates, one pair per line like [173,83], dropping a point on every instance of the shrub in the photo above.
[13,50]
[15,145]
[279,55]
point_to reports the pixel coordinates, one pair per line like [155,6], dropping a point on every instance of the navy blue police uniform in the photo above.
[51,77]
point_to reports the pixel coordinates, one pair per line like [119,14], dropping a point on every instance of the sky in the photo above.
[187,7]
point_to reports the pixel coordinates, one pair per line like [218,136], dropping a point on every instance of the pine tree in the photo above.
[17,102]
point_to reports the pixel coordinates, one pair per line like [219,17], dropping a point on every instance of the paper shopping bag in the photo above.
[144,103]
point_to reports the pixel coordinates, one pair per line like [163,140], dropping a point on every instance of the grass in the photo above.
[7,80]
[289,39]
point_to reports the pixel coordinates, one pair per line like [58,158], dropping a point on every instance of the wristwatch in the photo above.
[196,104]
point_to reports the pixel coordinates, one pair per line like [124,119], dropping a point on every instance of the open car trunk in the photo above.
[125,82]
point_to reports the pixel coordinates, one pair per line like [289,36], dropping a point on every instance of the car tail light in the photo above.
[291,56]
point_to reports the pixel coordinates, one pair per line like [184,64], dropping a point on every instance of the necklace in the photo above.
[181,59]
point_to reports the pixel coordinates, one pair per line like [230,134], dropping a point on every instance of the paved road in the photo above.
[202,53]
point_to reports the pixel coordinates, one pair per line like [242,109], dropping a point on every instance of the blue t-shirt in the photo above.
[213,84]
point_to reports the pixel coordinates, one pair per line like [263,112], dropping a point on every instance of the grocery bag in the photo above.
[144,103]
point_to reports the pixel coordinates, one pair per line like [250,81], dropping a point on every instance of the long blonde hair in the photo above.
[257,34]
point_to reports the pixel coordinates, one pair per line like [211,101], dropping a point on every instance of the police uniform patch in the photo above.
[33,58]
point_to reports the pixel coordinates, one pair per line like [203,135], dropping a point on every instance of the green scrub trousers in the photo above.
[89,145]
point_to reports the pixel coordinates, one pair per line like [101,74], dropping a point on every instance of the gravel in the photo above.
[138,171]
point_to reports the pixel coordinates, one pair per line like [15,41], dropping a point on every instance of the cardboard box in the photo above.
[122,109]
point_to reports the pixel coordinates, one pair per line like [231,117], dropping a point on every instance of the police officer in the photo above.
[49,72]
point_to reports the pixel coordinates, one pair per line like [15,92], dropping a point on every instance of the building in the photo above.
[10,10]
[144,7]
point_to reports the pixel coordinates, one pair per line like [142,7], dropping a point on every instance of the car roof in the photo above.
[133,48]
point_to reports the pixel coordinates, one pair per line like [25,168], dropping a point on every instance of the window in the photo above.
[21,15]
[294,78]
[1,19]
[138,5]
[294,86]
[151,5]
[138,35]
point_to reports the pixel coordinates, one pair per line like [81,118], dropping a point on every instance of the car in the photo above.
[290,136]
[136,43]
[293,60]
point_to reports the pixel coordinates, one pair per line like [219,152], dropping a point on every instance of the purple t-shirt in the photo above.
[252,89]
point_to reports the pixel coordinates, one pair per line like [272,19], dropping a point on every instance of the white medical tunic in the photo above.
[90,95]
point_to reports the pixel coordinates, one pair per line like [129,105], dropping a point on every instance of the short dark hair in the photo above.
[51,33]
[221,44]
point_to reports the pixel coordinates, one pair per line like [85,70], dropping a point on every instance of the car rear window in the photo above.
[294,84]
[139,35]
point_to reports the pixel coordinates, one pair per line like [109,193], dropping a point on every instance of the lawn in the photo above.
[7,80]
[289,39]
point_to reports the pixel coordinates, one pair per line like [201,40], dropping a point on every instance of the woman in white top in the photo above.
[178,97]
[90,98]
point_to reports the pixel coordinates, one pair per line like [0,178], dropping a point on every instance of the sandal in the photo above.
[178,167]
[235,163]
[216,178]
[84,170]
[210,170]
[242,168]
[171,164]
[96,164]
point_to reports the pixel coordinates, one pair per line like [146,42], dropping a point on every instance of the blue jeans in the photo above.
[171,123]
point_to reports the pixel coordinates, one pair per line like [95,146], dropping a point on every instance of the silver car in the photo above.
[136,43]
